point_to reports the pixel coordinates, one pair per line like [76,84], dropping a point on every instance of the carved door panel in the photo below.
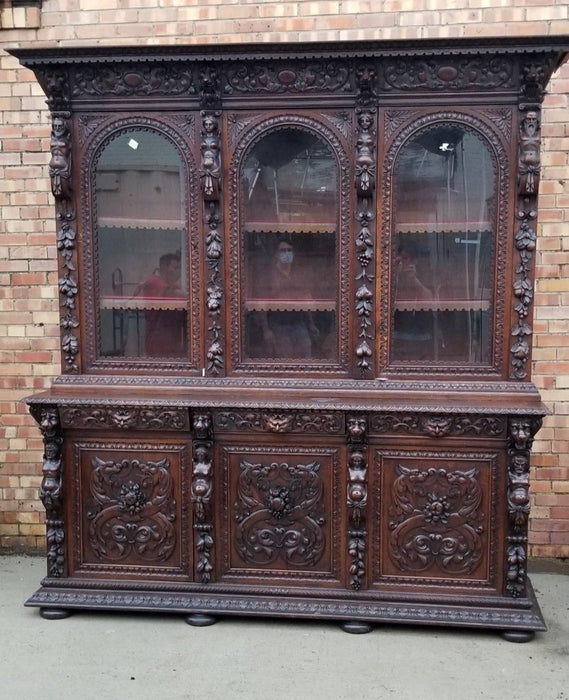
[280,516]
[437,521]
[127,505]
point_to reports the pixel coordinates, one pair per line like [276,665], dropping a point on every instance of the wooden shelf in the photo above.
[443,227]
[290,305]
[289,227]
[442,305]
[130,223]
[144,303]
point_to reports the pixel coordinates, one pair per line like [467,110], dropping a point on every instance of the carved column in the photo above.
[521,432]
[201,493]
[365,184]
[534,78]
[210,177]
[357,498]
[51,488]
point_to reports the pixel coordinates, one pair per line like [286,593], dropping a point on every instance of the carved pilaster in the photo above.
[357,498]
[51,488]
[61,187]
[201,493]
[365,184]
[210,176]
[521,432]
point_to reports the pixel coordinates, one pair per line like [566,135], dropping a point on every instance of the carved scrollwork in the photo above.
[125,417]
[437,425]
[51,488]
[436,520]
[279,513]
[443,73]
[131,79]
[280,77]
[281,421]
[132,510]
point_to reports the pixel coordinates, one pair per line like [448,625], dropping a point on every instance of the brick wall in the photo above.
[29,354]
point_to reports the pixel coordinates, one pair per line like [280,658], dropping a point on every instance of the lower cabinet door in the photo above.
[438,517]
[280,515]
[125,513]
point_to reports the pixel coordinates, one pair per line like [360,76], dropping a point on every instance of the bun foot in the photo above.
[356,627]
[518,636]
[55,613]
[201,620]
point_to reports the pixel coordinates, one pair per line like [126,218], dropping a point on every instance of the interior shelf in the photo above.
[144,303]
[289,227]
[442,305]
[130,223]
[290,305]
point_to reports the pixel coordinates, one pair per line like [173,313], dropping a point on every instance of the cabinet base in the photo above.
[515,619]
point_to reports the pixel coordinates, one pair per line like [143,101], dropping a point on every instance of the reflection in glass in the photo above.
[443,248]
[142,254]
[288,244]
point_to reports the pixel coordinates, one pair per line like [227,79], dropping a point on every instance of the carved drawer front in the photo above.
[281,520]
[436,521]
[128,501]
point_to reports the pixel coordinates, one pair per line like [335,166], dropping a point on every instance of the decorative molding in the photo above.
[436,425]
[133,79]
[284,77]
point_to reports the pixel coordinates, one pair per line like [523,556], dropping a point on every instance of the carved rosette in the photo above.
[279,514]
[365,184]
[51,488]
[210,177]
[201,493]
[132,510]
[521,432]
[436,520]
[356,426]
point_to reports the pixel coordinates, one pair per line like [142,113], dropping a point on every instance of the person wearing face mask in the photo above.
[290,333]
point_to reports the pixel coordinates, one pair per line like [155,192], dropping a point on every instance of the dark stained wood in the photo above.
[376,469]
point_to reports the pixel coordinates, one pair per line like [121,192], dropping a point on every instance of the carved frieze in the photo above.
[279,512]
[440,73]
[125,417]
[133,79]
[437,425]
[284,77]
[280,421]
[436,520]
[132,510]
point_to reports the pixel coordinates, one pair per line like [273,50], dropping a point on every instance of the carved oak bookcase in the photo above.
[296,318]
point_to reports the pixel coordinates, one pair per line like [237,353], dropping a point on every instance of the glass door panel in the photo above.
[142,253]
[442,256]
[289,248]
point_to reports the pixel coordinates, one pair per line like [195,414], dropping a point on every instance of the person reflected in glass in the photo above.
[413,322]
[287,333]
[165,327]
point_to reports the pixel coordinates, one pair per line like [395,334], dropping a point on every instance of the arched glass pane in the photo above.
[442,257]
[141,246]
[289,248]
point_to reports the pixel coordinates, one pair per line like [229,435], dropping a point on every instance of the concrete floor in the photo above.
[102,655]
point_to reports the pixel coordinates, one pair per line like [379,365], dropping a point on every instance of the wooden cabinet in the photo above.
[296,319]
